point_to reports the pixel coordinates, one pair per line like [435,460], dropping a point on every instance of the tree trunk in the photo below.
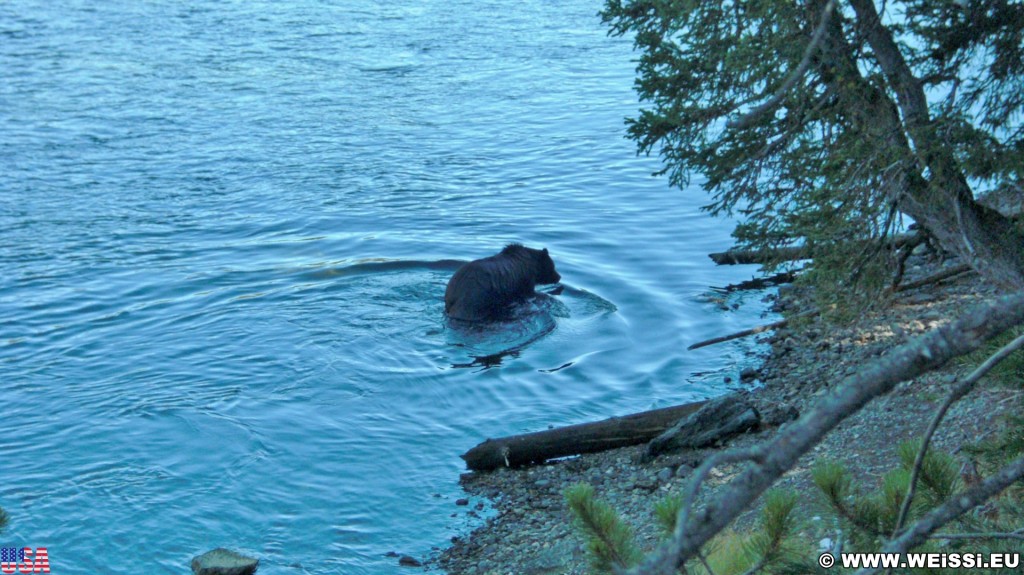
[943,202]
[610,433]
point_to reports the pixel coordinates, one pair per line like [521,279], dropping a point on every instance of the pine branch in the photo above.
[611,541]
[746,120]
[955,395]
[956,506]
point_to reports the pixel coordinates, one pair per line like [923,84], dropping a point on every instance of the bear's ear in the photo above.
[545,251]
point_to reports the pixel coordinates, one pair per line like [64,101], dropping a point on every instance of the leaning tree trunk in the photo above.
[943,203]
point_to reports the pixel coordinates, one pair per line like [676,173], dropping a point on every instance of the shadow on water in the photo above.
[417,287]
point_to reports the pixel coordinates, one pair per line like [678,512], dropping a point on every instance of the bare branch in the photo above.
[953,508]
[958,392]
[754,330]
[1018,534]
[750,117]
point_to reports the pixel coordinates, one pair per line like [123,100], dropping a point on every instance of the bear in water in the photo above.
[485,289]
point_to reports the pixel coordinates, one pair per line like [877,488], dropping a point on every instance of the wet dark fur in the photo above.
[485,289]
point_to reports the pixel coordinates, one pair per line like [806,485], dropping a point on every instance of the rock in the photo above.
[776,415]
[684,470]
[407,561]
[748,374]
[462,501]
[222,561]
[1007,199]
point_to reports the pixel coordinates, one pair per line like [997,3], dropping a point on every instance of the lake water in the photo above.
[226,229]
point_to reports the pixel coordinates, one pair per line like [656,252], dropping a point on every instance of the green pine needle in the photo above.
[611,542]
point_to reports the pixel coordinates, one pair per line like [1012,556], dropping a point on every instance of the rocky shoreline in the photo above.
[530,532]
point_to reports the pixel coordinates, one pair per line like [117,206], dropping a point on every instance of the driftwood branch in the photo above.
[786,277]
[717,419]
[935,278]
[788,253]
[774,458]
[753,330]
[603,435]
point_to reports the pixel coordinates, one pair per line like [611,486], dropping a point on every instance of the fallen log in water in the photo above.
[517,450]
[760,256]
[786,253]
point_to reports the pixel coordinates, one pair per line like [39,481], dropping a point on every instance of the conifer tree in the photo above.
[822,120]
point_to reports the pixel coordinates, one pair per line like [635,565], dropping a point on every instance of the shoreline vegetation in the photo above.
[531,531]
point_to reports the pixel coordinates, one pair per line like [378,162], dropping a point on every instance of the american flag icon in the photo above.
[24,560]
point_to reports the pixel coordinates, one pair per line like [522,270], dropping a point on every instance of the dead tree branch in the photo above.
[954,507]
[961,389]
[935,278]
[753,330]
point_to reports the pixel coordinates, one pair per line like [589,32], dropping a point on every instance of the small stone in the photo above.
[222,561]
[748,374]
[542,482]
[407,561]
[665,474]
[462,501]
[683,470]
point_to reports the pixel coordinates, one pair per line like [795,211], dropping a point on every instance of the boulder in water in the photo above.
[222,561]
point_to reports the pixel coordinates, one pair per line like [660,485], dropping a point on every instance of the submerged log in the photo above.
[786,277]
[717,420]
[517,450]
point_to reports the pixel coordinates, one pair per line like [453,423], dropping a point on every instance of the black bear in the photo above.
[485,289]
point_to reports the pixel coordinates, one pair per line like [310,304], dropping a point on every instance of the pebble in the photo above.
[462,501]
[683,470]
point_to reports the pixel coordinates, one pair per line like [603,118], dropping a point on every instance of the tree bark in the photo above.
[943,202]
[610,433]
[718,419]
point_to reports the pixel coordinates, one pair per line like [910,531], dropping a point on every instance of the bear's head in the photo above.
[546,273]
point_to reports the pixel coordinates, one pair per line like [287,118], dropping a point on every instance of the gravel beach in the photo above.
[529,531]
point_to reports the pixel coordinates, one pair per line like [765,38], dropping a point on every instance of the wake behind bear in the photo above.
[486,289]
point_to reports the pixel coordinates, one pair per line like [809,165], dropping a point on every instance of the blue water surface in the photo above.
[226,229]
